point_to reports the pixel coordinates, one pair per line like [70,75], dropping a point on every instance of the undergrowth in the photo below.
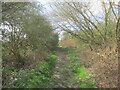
[81,75]
[38,77]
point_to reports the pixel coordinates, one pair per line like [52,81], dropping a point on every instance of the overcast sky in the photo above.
[95,5]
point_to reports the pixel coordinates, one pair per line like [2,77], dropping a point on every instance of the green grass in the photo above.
[81,74]
[38,77]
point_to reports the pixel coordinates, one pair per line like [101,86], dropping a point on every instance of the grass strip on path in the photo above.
[81,74]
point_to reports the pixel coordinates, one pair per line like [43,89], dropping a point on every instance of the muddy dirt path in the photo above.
[62,76]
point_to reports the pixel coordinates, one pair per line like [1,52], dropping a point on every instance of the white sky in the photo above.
[95,4]
[96,7]
[44,1]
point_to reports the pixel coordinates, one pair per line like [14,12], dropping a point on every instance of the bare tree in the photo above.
[77,19]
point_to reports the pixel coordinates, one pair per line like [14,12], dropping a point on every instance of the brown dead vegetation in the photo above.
[71,43]
[102,63]
[104,66]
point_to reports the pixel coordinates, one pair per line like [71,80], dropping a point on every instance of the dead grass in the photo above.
[104,65]
[71,43]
